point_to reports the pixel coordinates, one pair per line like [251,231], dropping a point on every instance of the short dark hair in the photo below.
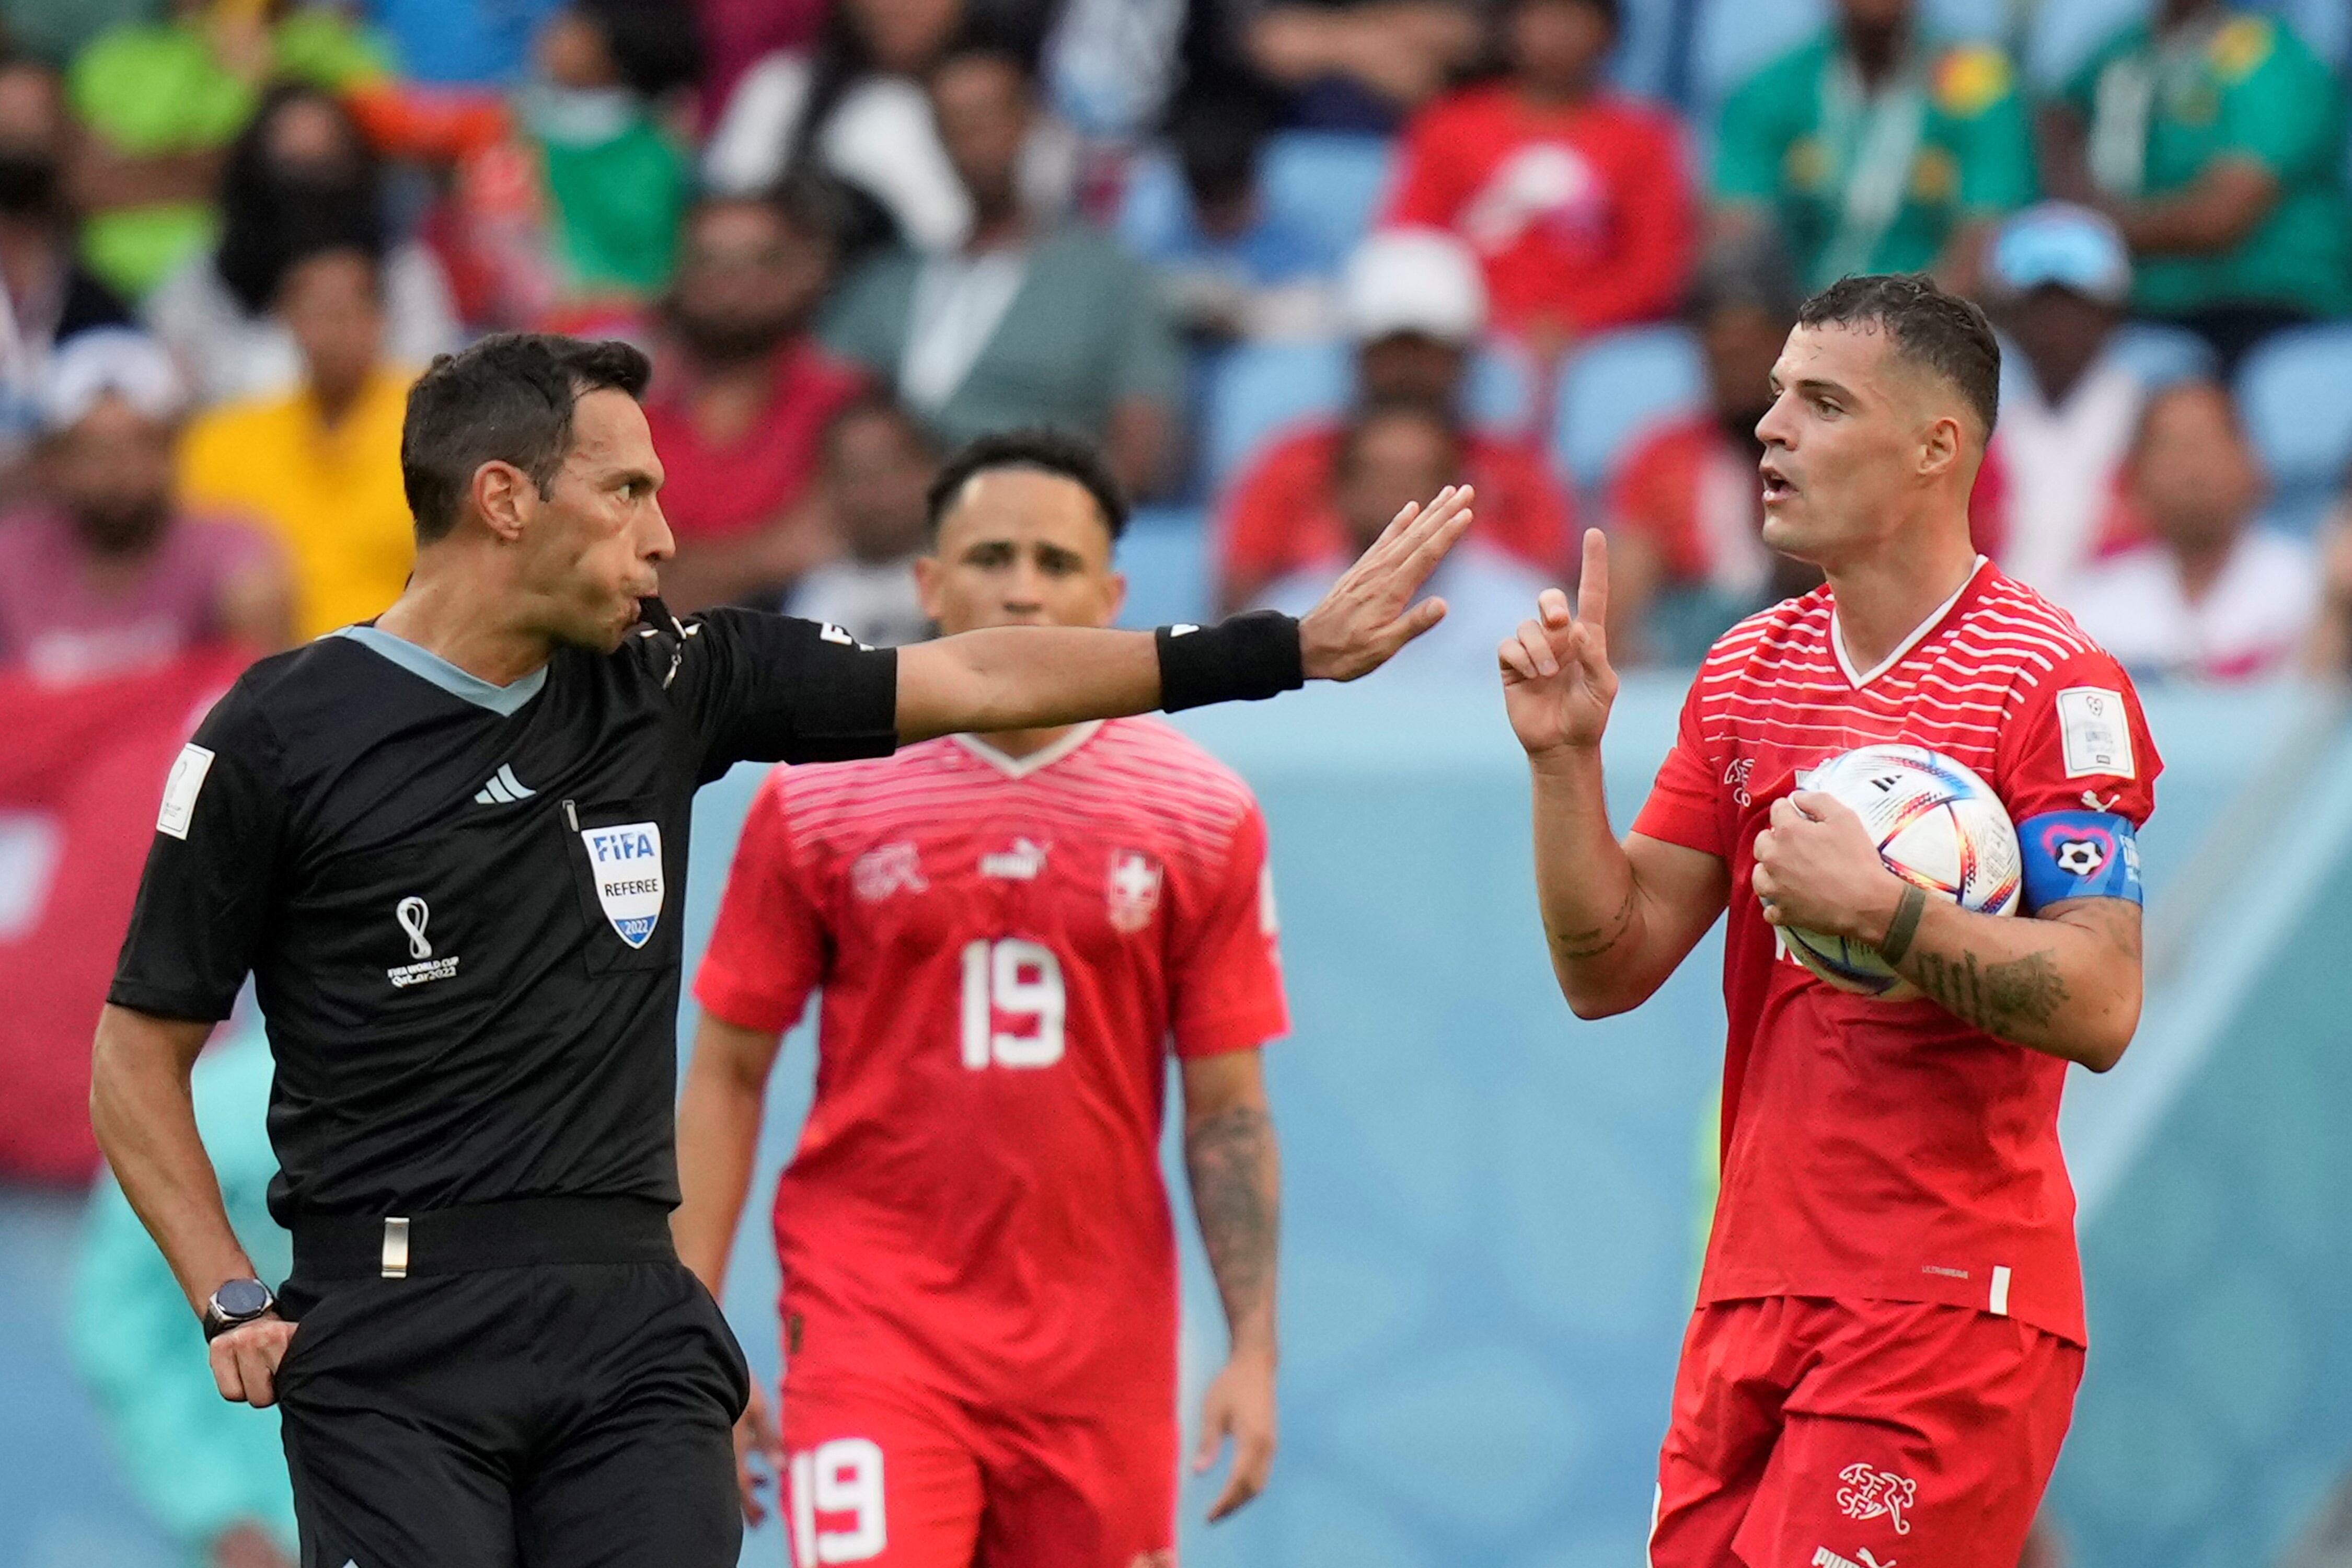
[877,404]
[507,399]
[1048,451]
[1927,326]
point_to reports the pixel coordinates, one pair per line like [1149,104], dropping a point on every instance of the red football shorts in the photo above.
[1818,1433]
[890,1473]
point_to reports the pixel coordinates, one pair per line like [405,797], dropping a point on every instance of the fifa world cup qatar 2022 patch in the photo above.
[626,861]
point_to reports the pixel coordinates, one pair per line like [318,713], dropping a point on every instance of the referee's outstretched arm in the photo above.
[1032,678]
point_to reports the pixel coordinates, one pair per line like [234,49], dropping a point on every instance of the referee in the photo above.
[450,848]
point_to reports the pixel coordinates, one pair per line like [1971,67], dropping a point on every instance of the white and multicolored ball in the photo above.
[1938,825]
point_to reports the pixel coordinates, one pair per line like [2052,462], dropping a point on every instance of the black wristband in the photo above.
[1904,926]
[1239,660]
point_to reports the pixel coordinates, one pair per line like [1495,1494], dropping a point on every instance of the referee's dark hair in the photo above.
[507,399]
[1048,451]
[1927,326]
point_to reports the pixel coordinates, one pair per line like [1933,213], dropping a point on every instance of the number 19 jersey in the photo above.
[1006,949]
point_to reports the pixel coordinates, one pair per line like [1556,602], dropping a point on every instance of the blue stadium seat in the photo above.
[2160,355]
[1165,556]
[2296,392]
[1616,386]
[1327,182]
[1260,387]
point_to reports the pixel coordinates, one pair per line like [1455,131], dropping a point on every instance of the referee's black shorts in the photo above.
[530,1416]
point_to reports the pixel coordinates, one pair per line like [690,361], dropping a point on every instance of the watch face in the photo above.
[242,1297]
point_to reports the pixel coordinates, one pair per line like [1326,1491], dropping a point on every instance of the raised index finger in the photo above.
[1592,582]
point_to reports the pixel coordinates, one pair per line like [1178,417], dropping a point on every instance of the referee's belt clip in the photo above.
[395,1249]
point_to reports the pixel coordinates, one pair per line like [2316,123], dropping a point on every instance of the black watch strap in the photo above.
[237,1301]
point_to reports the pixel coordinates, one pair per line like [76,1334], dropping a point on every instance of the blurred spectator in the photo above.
[1029,321]
[1227,267]
[161,101]
[855,109]
[2329,653]
[320,466]
[46,295]
[55,31]
[616,182]
[1573,196]
[877,464]
[2057,278]
[1414,303]
[1394,454]
[743,395]
[737,35]
[108,574]
[301,176]
[2216,141]
[212,1473]
[1687,558]
[452,43]
[1876,150]
[1356,65]
[2213,595]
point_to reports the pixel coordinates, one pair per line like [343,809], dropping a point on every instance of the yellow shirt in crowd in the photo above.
[332,496]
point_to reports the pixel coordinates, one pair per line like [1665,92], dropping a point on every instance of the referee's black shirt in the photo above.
[461,903]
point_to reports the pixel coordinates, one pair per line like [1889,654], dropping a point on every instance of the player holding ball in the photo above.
[1889,1332]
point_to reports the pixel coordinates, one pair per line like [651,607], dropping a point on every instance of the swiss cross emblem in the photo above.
[1134,891]
[1870,1493]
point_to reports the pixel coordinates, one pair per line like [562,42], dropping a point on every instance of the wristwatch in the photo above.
[235,1304]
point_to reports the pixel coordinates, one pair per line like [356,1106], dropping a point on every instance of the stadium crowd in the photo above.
[1289,263]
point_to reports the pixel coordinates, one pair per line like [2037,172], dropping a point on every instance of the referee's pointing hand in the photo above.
[1369,613]
[245,1360]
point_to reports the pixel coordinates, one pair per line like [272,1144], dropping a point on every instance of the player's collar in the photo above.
[1045,757]
[1918,634]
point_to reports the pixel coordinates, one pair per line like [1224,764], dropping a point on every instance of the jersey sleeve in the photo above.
[1226,979]
[2078,771]
[767,951]
[205,898]
[774,688]
[1682,808]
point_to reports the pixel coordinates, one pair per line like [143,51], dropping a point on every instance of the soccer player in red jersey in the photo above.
[979,1270]
[1889,1333]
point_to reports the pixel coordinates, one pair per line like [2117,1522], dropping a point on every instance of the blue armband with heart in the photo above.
[2078,855]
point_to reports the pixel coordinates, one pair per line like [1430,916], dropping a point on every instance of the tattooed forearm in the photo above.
[1578,945]
[1230,1157]
[1997,997]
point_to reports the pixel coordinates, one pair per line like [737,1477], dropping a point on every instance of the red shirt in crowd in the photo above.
[1005,948]
[1281,515]
[717,493]
[1581,215]
[1875,1149]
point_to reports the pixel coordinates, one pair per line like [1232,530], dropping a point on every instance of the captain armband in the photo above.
[2078,855]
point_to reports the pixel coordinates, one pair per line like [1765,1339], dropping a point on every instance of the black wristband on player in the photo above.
[1904,926]
[1239,660]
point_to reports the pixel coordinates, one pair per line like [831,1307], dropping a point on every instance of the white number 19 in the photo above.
[1020,979]
[843,1475]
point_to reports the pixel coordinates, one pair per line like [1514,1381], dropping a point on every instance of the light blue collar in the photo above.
[426,665]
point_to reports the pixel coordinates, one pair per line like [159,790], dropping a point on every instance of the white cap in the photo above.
[104,361]
[1420,280]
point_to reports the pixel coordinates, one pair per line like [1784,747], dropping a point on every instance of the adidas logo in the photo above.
[504,788]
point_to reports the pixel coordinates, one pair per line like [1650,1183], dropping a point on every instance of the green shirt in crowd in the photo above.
[618,201]
[150,91]
[1058,335]
[1875,181]
[2159,113]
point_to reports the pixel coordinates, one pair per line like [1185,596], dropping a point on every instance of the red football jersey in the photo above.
[1005,947]
[1878,1149]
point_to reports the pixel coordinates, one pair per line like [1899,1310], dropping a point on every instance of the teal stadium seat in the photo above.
[2296,394]
[1618,384]
[2160,355]
[1327,182]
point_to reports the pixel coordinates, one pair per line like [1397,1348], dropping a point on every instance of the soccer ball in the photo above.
[1938,825]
